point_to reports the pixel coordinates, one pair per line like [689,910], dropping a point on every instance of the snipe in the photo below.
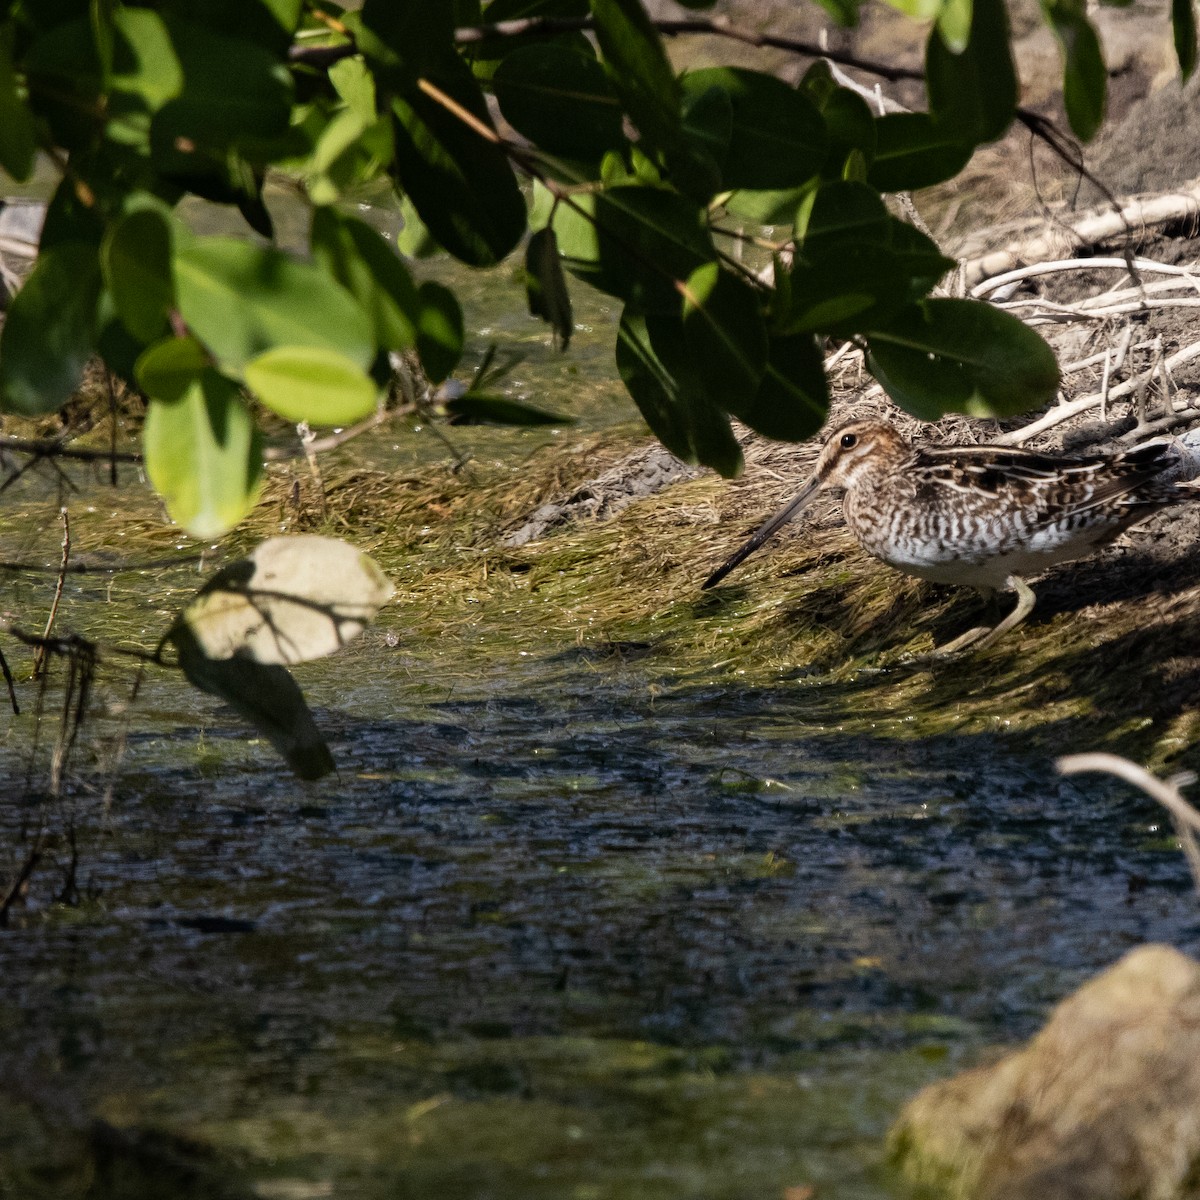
[984,516]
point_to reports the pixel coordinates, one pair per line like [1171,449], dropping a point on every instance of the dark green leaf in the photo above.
[708,124]
[559,99]
[203,453]
[361,260]
[264,695]
[1183,28]
[778,138]
[17,141]
[724,331]
[136,257]
[439,330]
[1085,79]
[479,408]
[944,355]
[511,10]
[792,401]
[842,215]
[652,357]
[65,80]
[241,299]
[634,242]
[912,152]
[973,91]
[546,286]
[269,23]
[461,184]
[48,334]
[851,127]
[638,67]
[409,39]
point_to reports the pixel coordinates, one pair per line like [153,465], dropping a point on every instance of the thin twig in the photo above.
[1081,264]
[1184,817]
[39,658]
[1072,408]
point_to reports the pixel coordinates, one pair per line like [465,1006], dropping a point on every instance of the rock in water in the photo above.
[1103,1104]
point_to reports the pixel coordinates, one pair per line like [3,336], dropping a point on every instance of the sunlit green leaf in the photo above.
[652,358]
[546,286]
[945,355]
[954,23]
[47,337]
[241,299]
[306,383]
[202,451]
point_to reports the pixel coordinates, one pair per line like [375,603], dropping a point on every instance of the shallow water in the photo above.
[566,922]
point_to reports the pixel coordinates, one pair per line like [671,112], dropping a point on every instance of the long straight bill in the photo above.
[782,517]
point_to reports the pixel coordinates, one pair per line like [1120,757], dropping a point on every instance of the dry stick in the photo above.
[39,658]
[1184,817]
[1072,408]
[1081,264]
[1087,231]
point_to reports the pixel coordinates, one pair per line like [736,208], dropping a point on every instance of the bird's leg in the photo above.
[983,636]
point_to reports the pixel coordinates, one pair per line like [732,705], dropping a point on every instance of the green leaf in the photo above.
[1085,79]
[913,151]
[292,600]
[303,383]
[954,23]
[851,127]
[843,215]
[136,257]
[202,451]
[460,183]
[973,90]
[651,358]
[944,355]
[47,337]
[724,331]
[265,696]
[241,299]
[409,39]
[637,243]
[546,286]
[792,400]
[269,23]
[233,89]
[638,67]
[1183,28]
[481,408]
[708,123]
[778,138]
[439,330]
[560,99]
[360,259]
[17,139]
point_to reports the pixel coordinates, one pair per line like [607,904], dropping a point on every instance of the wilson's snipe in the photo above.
[985,516]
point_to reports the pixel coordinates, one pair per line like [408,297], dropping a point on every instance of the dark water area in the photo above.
[559,926]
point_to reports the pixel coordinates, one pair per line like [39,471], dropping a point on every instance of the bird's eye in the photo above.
[849,441]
